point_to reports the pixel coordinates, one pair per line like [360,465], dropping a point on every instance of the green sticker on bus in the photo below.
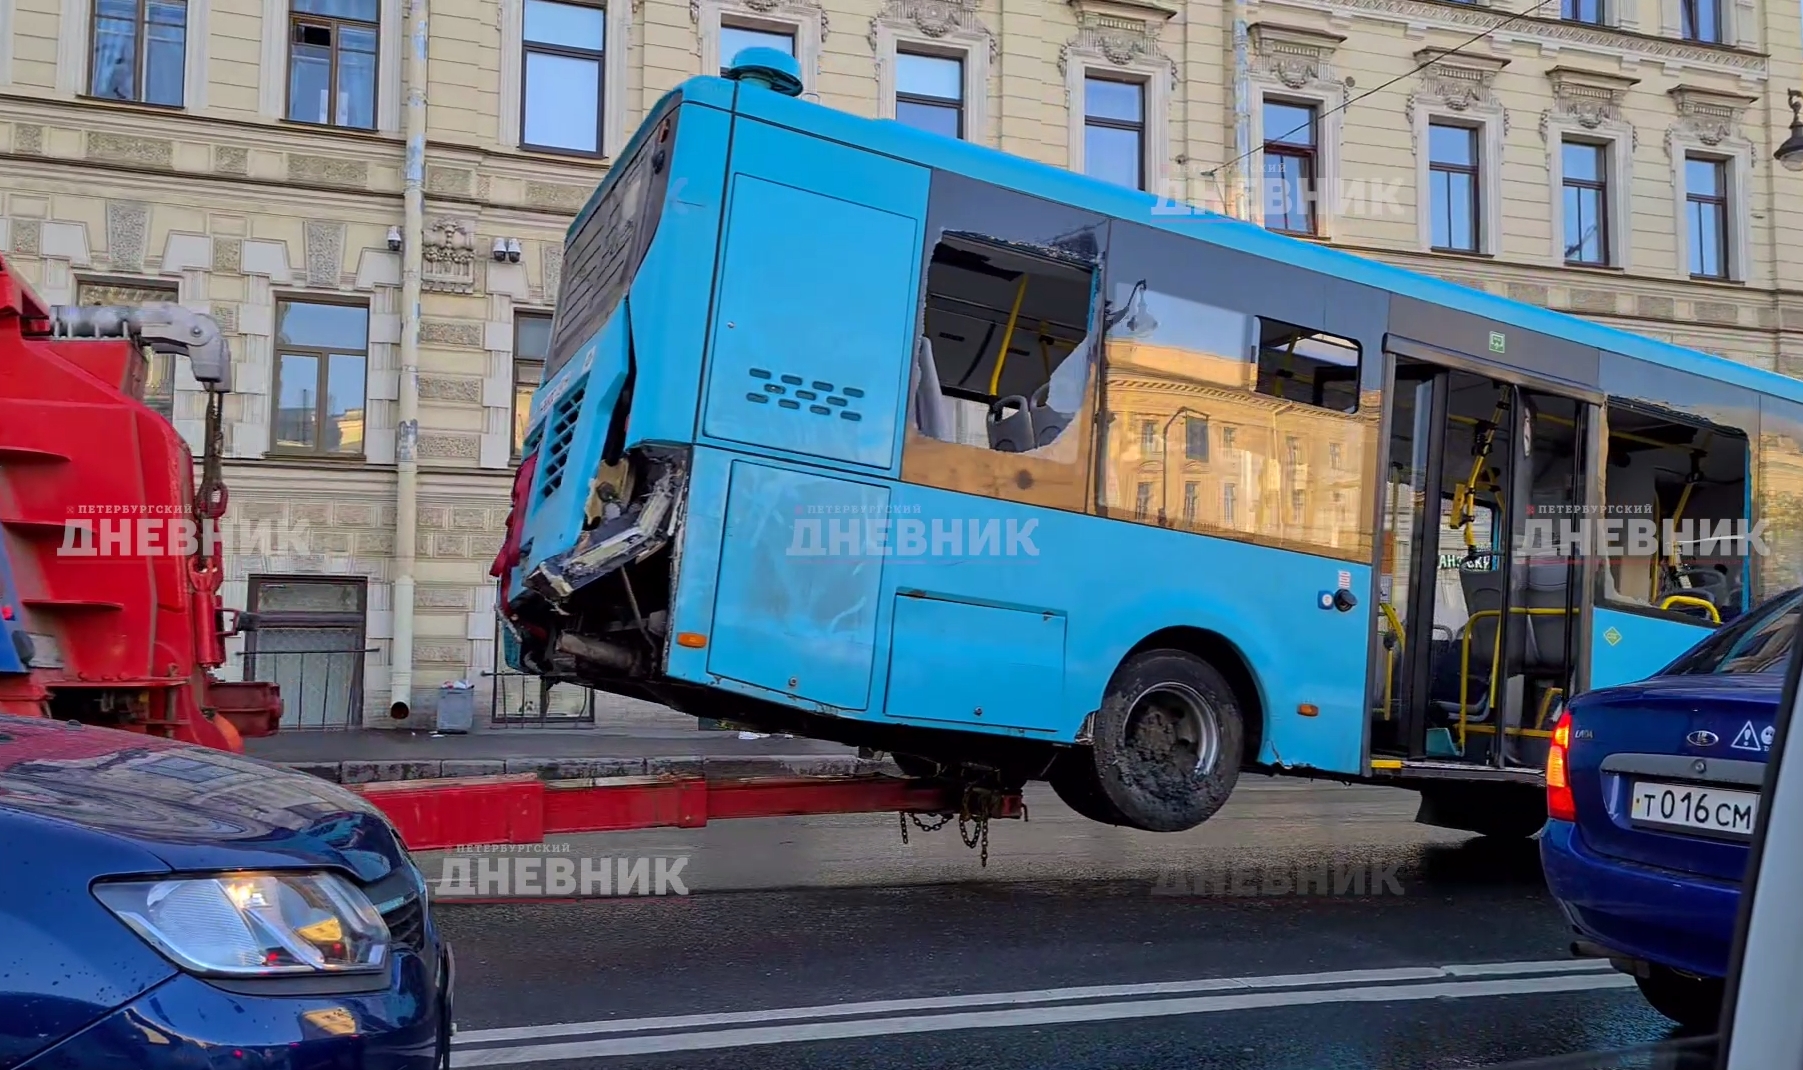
[1496,342]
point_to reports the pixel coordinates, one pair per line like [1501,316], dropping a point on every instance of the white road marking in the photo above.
[1247,992]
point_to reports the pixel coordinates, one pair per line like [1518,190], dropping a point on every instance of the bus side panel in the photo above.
[1041,593]
[669,322]
[813,323]
[787,619]
[1631,646]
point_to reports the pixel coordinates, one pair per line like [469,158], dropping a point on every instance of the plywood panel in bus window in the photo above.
[977,665]
[795,606]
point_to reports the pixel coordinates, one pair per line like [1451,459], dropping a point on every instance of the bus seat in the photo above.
[930,410]
[1547,588]
[1011,432]
[1483,591]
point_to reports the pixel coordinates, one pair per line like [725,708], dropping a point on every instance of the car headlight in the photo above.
[254,924]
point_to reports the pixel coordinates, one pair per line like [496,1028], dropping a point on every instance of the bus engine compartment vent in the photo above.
[560,430]
[793,392]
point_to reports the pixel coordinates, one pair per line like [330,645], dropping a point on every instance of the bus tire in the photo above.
[1167,742]
[1073,780]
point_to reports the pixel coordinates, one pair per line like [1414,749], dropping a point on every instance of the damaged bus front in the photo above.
[604,462]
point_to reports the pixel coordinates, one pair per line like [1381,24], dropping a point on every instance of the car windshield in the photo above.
[1756,643]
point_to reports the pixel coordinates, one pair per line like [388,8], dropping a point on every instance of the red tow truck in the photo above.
[105,617]
[104,621]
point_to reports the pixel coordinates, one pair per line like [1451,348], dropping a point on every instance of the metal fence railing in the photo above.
[321,689]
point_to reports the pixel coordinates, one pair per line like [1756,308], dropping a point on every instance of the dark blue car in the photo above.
[171,906]
[1653,790]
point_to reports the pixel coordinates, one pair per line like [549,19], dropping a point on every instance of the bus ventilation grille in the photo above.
[560,431]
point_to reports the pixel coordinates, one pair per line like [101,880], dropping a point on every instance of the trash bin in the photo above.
[456,706]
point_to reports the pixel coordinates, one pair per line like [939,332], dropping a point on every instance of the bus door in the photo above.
[1479,598]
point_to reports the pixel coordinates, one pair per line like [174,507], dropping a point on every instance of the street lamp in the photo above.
[1790,154]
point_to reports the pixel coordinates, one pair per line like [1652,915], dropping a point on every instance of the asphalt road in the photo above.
[1305,926]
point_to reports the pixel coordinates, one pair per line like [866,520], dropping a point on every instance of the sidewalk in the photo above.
[647,745]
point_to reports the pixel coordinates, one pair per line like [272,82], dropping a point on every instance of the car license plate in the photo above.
[1694,808]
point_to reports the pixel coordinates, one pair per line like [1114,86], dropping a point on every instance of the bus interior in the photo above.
[1485,494]
[1004,357]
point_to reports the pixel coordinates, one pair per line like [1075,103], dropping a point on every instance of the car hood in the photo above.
[191,807]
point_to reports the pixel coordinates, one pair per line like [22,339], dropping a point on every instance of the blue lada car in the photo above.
[172,906]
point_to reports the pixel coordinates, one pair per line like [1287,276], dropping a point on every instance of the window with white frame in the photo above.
[561,91]
[1458,176]
[1114,130]
[1585,197]
[1706,216]
[1702,20]
[139,51]
[929,92]
[1587,11]
[736,39]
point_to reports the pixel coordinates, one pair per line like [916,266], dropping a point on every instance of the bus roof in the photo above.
[1080,191]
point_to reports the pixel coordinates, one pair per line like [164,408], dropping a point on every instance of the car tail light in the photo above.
[1560,805]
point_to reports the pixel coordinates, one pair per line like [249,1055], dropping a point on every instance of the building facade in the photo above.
[251,159]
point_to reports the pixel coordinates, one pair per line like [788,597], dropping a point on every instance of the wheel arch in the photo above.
[1226,657]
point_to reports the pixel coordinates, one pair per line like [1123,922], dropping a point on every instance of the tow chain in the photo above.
[973,822]
[210,498]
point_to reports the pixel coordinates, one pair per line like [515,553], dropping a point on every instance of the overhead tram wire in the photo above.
[1417,69]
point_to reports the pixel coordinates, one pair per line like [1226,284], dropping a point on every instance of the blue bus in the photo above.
[868,435]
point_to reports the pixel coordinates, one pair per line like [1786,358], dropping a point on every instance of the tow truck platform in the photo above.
[521,808]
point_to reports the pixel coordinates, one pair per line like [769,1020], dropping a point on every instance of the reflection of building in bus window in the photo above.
[1178,370]
[1005,358]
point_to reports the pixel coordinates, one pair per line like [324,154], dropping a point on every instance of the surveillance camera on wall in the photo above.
[500,252]
[394,239]
[513,250]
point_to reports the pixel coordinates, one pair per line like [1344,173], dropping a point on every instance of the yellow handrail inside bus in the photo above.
[1020,294]
[1546,704]
[1715,615]
[1495,657]
[1389,613]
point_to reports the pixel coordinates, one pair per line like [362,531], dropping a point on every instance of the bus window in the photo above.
[1679,489]
[1297,364]
[1004,361]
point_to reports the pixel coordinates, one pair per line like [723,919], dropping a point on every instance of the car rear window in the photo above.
[1758,642]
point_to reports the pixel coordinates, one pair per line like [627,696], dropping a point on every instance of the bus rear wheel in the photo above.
[1166,750]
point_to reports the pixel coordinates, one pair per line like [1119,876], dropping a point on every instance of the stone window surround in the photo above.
[1490,127]
[1293,66]
[273,77]
[806,21]
[906,26]
[1740,21]
[1460,93]
[1738,155]
[1154,79]
[72,49]
[1328,107]
[616,48]
[1119,39]
[1586,107]
[1620,186]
